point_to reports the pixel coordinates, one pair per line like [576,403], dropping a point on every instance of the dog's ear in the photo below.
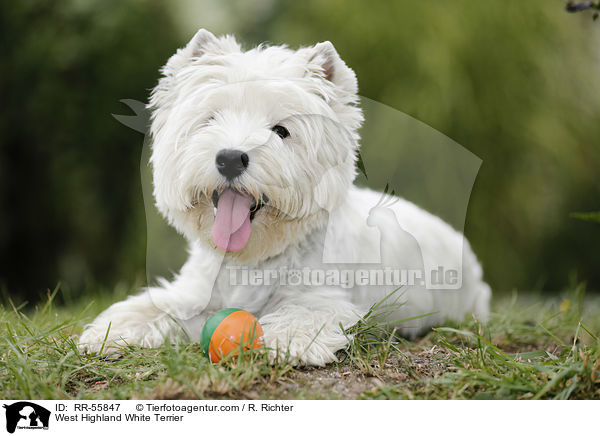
[200,43]
[204,42]
[324,60]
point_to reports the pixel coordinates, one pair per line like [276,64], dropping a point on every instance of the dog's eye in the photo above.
[205,122]
[281,131]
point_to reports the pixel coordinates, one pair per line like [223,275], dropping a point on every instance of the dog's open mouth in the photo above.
[233,220]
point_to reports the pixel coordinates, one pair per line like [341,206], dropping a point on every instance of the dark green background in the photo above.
[514,82]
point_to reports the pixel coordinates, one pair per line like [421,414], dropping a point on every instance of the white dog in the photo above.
[254,157]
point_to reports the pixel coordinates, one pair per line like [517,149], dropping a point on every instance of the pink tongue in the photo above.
[232,227]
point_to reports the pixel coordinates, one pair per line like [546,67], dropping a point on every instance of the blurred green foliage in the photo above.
[70,197]
[512,81]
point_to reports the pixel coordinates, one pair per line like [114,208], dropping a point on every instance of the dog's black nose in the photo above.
[231,163]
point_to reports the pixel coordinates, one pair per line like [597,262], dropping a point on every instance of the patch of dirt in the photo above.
[336,381]
[347,381]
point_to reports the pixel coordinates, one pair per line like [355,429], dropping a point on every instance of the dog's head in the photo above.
[252,148]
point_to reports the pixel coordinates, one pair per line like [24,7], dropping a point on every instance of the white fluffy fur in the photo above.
[214,96]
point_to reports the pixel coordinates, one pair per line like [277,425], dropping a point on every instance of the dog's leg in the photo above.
[305,326]
[159,313]
[135,321]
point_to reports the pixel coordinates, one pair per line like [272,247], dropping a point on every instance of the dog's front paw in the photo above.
[298,347]
[110,337]
[98,338]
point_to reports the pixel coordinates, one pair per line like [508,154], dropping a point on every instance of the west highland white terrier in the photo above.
[254,155]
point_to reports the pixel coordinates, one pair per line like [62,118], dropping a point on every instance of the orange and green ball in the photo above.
[228,331]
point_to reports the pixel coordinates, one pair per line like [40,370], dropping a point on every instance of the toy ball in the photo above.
[228,331]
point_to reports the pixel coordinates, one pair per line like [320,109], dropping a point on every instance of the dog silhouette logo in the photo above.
[26,415]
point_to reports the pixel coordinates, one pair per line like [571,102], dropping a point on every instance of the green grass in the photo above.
[533,347]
